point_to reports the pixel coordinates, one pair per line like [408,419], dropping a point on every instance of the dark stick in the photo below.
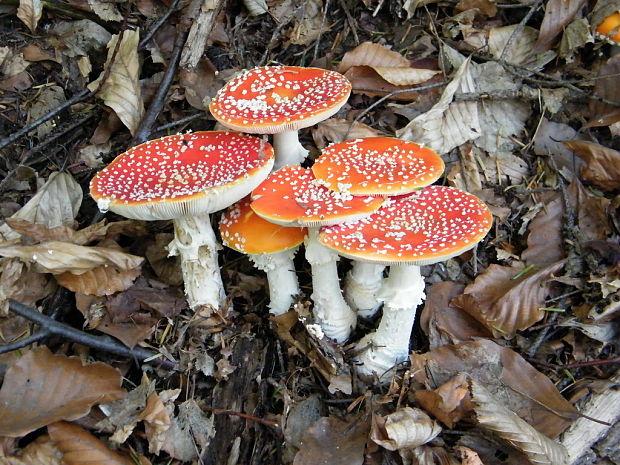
[159,23]
[104,343]
[146,125]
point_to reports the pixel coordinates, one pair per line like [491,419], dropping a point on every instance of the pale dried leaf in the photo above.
[374,55]
[18,281]
[41,388]
[190,432]
[56,203]
[106,10]
[121,90]
[335,130]
[504,304]
[405,76]
[602,166]
[156,417]
[59,257]
[448,124]
[41,451]
[410,5]
[92,154]
[366,81]
[558,14]
[79,447]
[468,456]
[516,383]
[427,455]
[331,440]
[309,24]
[30,12]
[403,429]
[77,38]
[102,280]
[494,417]
[256,7]
[575,36]
[521,46]
[48,99]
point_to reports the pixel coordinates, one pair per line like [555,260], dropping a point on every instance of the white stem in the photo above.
[331,311]
[288,149]
[361,287]
[402,292]
[282,279]
[194,241]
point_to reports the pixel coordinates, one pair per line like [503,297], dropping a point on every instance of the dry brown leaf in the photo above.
[602,166]
[369,54]
[18,281]
[493,416]
[450,402]
[46,101]
[403,429]
[156,416]
[485,7]
[33,52]
[558,14]
[605,114]
[520,46]
[41,388]
[102,280]
[79,447]
[106,10]
[335,130]
[445,323]
[364,77]
[121,89]
[405,76]
[59,257]
[505,304]
[30,12]
[190,432]
[516,383]
[468,456]
[41,451]
[331,440]
[168,269]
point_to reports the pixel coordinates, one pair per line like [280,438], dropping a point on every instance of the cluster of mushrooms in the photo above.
[369,200]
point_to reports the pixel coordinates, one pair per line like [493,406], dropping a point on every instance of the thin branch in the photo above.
[159,23]
[104,343]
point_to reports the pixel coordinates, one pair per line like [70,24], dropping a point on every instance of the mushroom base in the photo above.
[380,351]
[361,287]
[194,241]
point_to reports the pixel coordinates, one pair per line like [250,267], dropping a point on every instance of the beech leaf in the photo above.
[30,12]
[602,166]
[558,14]
[41,388]
[369,54]
[404,429]
[121,89]
[101,280]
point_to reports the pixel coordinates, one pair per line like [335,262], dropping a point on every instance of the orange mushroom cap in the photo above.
[377,166]
[610,27]
[293,196]
[429,226]
[184,174]
[274,99]
[246,232]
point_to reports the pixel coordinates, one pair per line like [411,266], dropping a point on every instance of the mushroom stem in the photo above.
[330,309]
[194,241]
[281,276]
[361,287]
[288,149]
[388,346]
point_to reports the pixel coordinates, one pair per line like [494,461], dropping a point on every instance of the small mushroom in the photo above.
[383,166]
[292,196]
[610,27]
[429,226]
[184,178]
[271,248]
[280,100]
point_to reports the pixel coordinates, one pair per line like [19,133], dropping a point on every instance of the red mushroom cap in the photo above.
[377,166]
[293,196]
[246,232]
[275,99]
[429,226]
[181,175]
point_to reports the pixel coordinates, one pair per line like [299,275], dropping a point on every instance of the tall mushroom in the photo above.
[429,226]
[184,178]
[292,196]
[280,100]
[383,166]
[270,246]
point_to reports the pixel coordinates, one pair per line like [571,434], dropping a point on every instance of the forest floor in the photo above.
[514,353]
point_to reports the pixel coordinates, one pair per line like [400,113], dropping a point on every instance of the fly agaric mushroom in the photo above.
[374,166]
[429,226]
[610,27]
[271,248]
[280,100]
[184,178]
[292,196]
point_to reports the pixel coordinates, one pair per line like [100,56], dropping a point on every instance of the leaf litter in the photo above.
[523,109]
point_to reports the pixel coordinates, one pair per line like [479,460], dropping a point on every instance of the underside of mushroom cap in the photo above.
[185,174]
[273,99]
[429,226]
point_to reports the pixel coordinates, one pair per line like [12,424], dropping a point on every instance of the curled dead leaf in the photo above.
[450,402]
[335,130]
[602,166]
[404,429]
[30,12]
[101,280]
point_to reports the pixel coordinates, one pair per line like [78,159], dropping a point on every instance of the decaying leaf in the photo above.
[79,447]
[450,402]
[190,432]
[505,304]
[602,166]
[493,416]
[41,451]
[59,257]
[106,10]
[30,12]
[41,388]
[335,130]
[121,89]
[515,383]
[558,14]
[404,429]
[606,86]
[101,280]
[157,417]
[49,98]
[18,281]
[370,54]
[168,269]
[331,440]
